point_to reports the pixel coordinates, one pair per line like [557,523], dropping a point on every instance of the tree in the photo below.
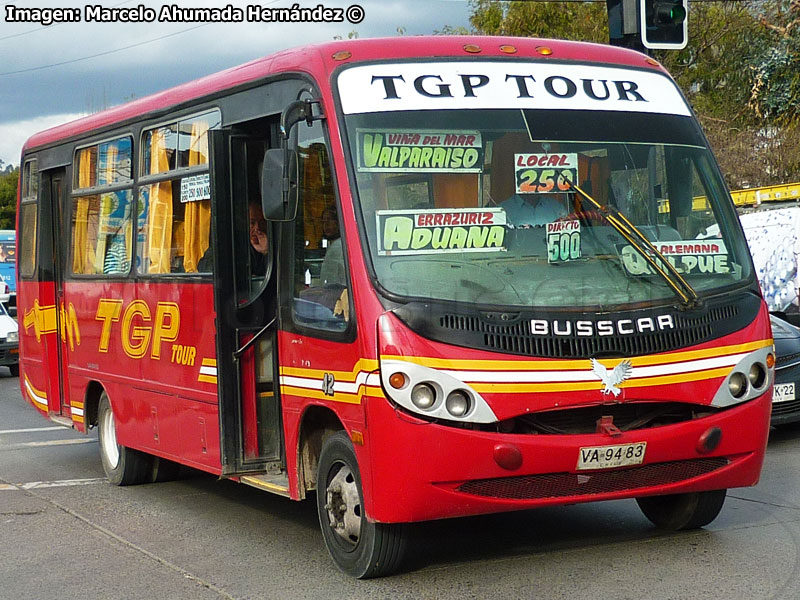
[8,199]
[584,21]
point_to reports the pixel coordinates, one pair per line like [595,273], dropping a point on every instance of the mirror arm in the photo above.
[299,110]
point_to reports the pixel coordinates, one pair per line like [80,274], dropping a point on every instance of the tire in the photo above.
[14,370]
[358,547]
[679,512]
[123,466]
[164,470]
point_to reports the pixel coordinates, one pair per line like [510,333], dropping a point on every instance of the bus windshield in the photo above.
[520,207]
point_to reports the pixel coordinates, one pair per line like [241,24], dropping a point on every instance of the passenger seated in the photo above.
[332,271]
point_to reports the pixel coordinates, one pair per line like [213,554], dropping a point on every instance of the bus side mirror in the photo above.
[274,186]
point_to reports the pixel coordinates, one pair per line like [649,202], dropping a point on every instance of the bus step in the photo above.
[275,483]
[65,421]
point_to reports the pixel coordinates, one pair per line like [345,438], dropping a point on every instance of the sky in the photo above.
[51,74]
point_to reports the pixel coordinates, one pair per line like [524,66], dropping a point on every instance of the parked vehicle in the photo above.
[9,341]
[8,268]
[785,401]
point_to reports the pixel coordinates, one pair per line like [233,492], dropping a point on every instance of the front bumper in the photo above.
[9,353]
[421,471]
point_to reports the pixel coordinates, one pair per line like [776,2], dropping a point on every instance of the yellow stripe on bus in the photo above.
[576,386]
[364,364]
[345,398]
[580,364]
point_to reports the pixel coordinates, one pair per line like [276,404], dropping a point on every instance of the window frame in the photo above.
[98,190]
[27,199]
[348,333]
[171,175]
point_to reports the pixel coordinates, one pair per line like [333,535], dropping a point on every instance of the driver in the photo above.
[532,210]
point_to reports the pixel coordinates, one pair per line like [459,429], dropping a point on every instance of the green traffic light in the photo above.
[677,14]
[670,13]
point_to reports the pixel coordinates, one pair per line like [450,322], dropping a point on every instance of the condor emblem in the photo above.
[612,379]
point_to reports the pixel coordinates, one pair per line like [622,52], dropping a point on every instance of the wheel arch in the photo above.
[316,425]
[91,402]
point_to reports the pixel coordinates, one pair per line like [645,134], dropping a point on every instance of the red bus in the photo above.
[420,277]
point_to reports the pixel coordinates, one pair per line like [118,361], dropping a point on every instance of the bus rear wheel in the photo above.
[358,547]
[678,512]
[123,466]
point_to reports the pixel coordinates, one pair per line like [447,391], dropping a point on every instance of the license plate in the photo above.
[607,457]
[783,392]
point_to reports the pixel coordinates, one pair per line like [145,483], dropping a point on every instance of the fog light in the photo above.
[508,456]
[709,441]
[423,396]
[457,403]
[737,385]
[757,375]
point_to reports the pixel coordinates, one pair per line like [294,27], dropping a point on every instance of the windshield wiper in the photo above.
[643,246]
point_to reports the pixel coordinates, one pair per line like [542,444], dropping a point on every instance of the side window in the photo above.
[174,205]
[101,211]
[28,216]
[321,297]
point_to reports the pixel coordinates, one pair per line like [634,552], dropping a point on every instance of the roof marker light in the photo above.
[508,49]
[544,50]
[472,48]
[342,55]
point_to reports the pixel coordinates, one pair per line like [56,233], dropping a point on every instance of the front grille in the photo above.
[627,417]
[785,408]
[517,338]
[785,360]
[557,485]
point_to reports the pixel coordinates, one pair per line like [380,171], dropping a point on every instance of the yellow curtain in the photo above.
[159,234]
[80,234]
[198,214]
[106,208]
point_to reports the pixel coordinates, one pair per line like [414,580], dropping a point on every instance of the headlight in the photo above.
[433,393]
[749,378]
[13,336]
[737,385]
[423,396]
[757,375]
[457,403]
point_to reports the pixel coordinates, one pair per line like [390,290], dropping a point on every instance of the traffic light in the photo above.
[664,23]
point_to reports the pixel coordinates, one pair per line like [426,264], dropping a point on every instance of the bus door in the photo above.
[54,195]
[245,298]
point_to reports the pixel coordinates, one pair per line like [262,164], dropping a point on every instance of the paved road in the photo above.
[66,533]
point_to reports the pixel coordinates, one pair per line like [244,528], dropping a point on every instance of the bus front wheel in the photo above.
[358,547]
[123,466]
[678,512]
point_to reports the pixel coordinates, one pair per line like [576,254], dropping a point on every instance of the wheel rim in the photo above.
[343,505]
[109,439]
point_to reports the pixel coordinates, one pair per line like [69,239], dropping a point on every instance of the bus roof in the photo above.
[319,59]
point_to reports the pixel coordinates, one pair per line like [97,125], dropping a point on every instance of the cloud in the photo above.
[160,55]
[14,134]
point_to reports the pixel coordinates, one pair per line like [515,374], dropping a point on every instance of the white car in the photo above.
[9,341]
